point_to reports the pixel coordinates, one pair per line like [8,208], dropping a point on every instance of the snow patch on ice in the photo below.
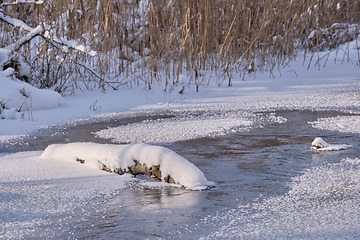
[123,156]
[346,124]
[323,203]
[164,130]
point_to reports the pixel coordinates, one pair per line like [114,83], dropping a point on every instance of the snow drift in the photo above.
[124,156]
[18,96]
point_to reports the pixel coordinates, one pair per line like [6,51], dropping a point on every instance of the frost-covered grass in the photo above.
[109,44]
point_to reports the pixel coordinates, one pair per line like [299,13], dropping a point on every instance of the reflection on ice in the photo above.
[165,198]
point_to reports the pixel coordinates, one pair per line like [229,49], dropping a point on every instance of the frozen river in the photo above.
[269,184]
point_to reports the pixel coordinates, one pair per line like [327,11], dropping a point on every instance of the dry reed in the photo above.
[139,42]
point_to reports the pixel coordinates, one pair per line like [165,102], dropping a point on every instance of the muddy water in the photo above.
[246,166]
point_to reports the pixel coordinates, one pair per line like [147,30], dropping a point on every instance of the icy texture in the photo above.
[162,131]
[347,124]
[323,203]
[298,86]
[36,192]
[123,156]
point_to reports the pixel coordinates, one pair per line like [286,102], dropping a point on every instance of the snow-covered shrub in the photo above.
[332,37]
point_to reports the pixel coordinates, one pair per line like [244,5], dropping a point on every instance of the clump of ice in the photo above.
[123,156]
[319,144]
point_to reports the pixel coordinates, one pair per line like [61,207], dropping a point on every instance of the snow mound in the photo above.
[123,156]
[17,96]
[319,144]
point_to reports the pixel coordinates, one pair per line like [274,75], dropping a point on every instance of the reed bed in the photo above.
[141,42]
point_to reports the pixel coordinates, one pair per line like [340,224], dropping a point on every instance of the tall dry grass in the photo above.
[142,41]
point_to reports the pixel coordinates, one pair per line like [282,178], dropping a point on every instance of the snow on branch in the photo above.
[15,22]
[61,44]
[40,30]
[17,2]
[27,38]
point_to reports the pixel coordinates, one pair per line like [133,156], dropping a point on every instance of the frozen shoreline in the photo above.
[334,87]
[31,186]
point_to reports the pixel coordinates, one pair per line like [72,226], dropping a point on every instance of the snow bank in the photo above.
[123,156]
[17,96]
[320,145]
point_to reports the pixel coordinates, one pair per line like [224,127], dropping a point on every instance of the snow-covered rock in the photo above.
[123,157]
[319,144]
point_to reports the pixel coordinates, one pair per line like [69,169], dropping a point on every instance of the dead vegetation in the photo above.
[153,172]
[139,42]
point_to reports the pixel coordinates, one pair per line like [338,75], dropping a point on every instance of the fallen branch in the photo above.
[54,41]
[45,34]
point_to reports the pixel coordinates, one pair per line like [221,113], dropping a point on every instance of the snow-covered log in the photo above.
[121,158]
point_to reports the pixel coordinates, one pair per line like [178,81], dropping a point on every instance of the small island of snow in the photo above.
[122,158]
[319,144]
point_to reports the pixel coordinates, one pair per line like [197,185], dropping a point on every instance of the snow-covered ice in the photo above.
[322,203]
[35,190]
[162,131]
[347,124]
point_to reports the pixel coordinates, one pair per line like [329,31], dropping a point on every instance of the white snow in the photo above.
[33,190]
[322,203]
[16,22]
[334,87]
[163,131]
[319,144]
[123,156]
[346,124]
[24,97]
